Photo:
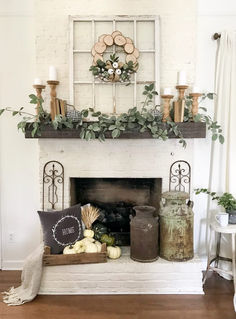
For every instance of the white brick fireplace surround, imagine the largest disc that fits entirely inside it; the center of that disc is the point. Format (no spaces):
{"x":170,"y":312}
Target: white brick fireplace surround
{"x":119,"y":158}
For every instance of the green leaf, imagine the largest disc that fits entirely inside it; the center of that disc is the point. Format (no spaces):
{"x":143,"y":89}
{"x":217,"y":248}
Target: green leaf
{"x":115,"y":133}
{"x":1,"y":111}
{"x":221,"y":139}
{"x":14,"y":113}
{"x":210,"y":96}
{"x":214,"y":137}
{"x":112,"y":127}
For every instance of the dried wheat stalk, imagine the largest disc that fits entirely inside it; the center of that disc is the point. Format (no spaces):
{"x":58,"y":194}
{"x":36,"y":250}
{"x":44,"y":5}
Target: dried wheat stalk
{"x":89,"y":215}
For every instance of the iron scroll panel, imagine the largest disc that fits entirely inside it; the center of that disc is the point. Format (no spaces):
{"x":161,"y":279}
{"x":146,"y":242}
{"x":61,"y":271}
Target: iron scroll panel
{"x":53,"y":183}
{"x":180,"y":176}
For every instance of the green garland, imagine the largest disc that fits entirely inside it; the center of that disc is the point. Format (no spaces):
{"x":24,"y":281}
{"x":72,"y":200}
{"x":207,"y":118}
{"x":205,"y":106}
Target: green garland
{"x":148,"y":119}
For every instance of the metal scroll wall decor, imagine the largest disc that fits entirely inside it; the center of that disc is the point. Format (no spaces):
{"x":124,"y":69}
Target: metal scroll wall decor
{"x":180,"y":177}
{"x":53,"y":184}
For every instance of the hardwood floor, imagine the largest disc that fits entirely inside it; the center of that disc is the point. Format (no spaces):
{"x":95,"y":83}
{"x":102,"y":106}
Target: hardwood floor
{"x":217,"y":303}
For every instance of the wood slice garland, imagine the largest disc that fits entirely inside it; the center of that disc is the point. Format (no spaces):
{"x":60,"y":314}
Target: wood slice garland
{"x":136,"y":53}
{"x":129,"y":48}
{"x":130,"y":57}
{"x":115,"y":33}
{"x":114,"y":70}
{"x":108,"y":40}
{"x":128,"y":40}
{"x":101,"y":37}
{"x":100,"y":47}
{"x":120,"y":40}
{"x":97,"y":57}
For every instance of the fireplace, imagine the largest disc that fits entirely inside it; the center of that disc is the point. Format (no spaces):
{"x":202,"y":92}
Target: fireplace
{"x":115,"y":197}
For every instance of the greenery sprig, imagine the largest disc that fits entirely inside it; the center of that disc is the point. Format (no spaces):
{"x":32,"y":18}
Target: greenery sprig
{"x":226,"y":200}
{"x":148,"y":119}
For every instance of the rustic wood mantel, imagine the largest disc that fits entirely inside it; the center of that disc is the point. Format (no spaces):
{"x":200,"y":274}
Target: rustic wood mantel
{"x":189,"y":130}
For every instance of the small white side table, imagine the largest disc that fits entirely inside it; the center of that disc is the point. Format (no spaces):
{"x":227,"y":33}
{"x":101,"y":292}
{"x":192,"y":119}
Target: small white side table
{"x":218,"y":230}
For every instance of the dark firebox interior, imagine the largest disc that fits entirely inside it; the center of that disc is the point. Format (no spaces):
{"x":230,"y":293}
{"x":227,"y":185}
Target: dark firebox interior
{"x":116,"y":197}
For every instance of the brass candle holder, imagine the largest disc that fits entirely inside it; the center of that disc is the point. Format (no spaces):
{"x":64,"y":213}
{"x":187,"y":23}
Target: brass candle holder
{"x":53,"y":94}
{"x":166,"y":106}
{"x":180,"y":104}
{"x":38,"y":88}
{"x":195,"y":97}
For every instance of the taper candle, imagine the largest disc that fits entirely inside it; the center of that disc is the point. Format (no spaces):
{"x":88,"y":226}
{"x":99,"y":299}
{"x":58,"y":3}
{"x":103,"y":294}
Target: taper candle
{"x":52,"y":73}
{"x":167,"y":91}
{"x":37,"y":81}
{"x":182,"y":78}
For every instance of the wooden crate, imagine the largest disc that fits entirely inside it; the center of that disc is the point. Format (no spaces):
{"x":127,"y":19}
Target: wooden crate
{"x":72,"y":259}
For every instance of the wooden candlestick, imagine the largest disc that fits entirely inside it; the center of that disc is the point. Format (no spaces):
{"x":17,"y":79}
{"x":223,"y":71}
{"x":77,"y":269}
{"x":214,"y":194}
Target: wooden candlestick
{"x":195,"y":97}
{"x":166,"y":106}
{"x":180,"y":104}
{"x":53,"y":95}
{"x":38,"y":88}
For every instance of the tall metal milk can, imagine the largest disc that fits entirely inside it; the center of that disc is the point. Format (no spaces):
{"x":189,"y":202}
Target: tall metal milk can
{"x":176,"y":226}
{"x":144,"y":234}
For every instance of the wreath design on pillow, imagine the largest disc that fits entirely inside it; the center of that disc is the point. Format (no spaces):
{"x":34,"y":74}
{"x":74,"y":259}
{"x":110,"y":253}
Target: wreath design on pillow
{"x":113,"y":70}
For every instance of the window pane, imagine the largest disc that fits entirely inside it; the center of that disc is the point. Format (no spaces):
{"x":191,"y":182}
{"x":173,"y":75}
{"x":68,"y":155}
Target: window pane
{"x":83,"y":96}
{"x":82,"y":63}
{"x":83,"y":35}
{"x":145,"y":35}
{"x":103,"y":98}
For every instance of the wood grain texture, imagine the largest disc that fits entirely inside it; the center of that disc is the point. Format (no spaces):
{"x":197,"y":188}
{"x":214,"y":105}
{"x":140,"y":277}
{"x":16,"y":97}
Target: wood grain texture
{"x":83,"y":258}
{"x":189,"y":130}
{"x":217,"y":303}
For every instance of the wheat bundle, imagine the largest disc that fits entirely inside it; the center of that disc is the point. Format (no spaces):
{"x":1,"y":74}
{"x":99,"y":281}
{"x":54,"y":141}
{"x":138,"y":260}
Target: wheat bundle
{"x":89,"y":215}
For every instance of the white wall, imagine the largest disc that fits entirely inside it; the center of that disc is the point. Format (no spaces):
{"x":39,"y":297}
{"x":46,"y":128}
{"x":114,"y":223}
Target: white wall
{"x":18,"y":157}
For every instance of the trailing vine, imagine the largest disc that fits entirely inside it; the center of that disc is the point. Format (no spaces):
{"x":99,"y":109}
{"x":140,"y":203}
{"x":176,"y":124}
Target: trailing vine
{"x":148,"y":119}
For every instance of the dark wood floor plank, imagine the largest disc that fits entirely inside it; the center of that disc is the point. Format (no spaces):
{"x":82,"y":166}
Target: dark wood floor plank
{"x":217,"y":303}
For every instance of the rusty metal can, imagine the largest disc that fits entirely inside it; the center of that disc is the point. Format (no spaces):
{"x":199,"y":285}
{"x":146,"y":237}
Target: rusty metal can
{"x":176,"y":227}
{"x":144,"y":234}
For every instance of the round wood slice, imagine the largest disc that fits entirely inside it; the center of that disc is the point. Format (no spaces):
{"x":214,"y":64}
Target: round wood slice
{"x":101,"y":37}
{"x":93,"y":52}
{"x":129,"y":48}
{"x":108,"y":40}
{"x":100,"y":47}
{"x":97,"y":57}
{"x":120,"y":40}
{"x":130,"y":57}
{"x":115,"y":33}
{"x":128,"y":40}
{"x":136,"y":53}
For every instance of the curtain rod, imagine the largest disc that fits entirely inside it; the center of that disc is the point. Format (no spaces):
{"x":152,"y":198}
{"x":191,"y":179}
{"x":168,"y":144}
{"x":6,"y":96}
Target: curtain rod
{"x":216,"y":36}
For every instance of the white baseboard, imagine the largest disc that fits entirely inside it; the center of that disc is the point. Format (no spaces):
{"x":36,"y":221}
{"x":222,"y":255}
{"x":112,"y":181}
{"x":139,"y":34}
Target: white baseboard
{"x":12,"y":264}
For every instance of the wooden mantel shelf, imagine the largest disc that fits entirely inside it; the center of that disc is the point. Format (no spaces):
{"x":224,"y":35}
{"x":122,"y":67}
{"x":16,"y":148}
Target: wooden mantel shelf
{"x":189,"y":130}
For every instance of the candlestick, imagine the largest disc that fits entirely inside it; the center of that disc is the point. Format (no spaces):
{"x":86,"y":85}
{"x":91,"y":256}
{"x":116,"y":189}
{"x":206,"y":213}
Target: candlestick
{"x":182,"y":78}
{"x":166,"y":106}
{"x":38,"y":89}
{"x":195,"y":89}
{"x":167,"y":91}
{"x":195,"y":97}
{"x":37,"y":81}
{"x":53,"y":95}
{"x":52,"y":73}
{"x":180,"y":104}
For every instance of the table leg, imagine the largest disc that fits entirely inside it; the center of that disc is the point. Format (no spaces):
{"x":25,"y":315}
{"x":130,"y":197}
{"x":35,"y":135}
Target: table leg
{"x":218,"y":249}
{"x":233,"y":260}
{"x":208,"y":257}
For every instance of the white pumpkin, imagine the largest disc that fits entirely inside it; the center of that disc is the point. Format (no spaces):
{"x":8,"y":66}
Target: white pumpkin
{"x":69,"y":250}
{"x":99,"y":246}
{"x":89,"y":233}
{"x":79,"y":246}
{"x":113,"y":252}
{"x":88,"y":240}
{"x":91,"y":248}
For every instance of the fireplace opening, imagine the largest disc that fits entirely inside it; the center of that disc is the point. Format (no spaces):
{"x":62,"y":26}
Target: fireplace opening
{"x":116,"y":197}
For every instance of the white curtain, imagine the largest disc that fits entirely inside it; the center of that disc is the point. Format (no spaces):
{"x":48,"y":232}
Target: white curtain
{"x":223,"y":157}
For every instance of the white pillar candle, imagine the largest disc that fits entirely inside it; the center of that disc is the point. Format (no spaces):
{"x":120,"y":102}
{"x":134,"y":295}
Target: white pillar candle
{"x":195,"y":89}
{"x":182,"y":78}
{"x":52,"y":73}
{"x":37,"y":81}
{"x":167,"y":91}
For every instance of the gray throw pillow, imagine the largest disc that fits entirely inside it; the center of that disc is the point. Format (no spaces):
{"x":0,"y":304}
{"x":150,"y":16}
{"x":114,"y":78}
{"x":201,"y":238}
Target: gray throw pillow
{"x":61,"y":228}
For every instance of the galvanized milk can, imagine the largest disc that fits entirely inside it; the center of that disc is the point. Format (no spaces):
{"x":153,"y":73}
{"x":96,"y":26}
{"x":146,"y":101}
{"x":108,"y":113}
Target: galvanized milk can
{"x":144,"y":234}
{"x":176,"y":227}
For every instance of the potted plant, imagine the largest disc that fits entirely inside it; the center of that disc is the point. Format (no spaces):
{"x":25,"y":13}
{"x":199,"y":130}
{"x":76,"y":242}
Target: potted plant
{"x":226,"y":200}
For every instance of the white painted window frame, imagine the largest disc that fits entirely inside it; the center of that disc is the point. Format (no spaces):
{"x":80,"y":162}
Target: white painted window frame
{"x":114,"y":19}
